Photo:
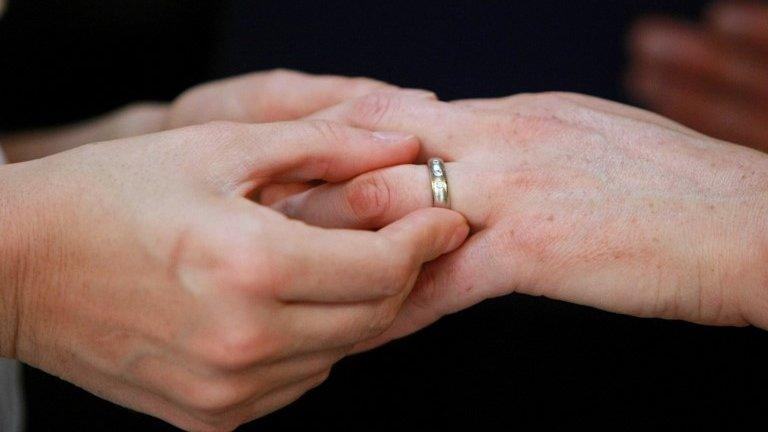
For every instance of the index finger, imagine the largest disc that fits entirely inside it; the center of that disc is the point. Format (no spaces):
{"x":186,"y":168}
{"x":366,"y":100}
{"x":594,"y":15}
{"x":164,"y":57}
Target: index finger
{"x":267,"y":96}
{"x":241,"y":157}
{"x":443,"y":129}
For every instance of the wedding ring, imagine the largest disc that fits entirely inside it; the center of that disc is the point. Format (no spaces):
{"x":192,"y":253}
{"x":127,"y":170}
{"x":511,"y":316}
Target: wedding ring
{"x":439,"y":183}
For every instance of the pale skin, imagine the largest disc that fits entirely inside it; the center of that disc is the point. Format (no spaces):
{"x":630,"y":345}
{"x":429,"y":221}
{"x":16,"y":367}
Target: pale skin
{"x":138,"y":269}
{"x":710,"y":75}
{"x":569,"y":197}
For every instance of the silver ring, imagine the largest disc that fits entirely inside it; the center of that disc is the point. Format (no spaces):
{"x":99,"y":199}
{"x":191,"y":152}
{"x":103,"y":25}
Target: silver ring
{"x":439,"y":183}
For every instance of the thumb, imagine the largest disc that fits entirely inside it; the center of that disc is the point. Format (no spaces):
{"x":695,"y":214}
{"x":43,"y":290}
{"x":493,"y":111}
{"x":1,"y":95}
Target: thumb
{"x":444,"y":286}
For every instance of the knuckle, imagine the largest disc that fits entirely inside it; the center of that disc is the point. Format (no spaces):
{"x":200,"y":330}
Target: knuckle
{"x":212,"y":400}
{"x":329,"y":132}
{"x":236,"y":262}
{"x":361,"y":85}
{"x":375,"y":107}
{"x":369,"y":197}
{"x":239,"y":347}
{"x":252,"y":271}
{"x":227,"y":261}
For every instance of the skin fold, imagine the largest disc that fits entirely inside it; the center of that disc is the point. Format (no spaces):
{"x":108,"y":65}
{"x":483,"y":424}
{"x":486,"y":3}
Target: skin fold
{"x":711,"y":75}
{"x":568,"y":197}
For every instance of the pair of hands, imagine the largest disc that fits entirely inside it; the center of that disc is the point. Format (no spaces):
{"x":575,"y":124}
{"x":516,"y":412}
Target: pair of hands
{"x":151,"y":280}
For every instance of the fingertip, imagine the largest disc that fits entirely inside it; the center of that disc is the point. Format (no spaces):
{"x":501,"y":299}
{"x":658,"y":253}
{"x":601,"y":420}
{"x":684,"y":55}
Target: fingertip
{"x":450,"y":226}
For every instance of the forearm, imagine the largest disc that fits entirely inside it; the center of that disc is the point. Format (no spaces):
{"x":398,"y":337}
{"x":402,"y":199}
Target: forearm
{"x":128,"y":121}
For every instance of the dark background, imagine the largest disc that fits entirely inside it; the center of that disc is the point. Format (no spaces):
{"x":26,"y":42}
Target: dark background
{"x":506,"y":363}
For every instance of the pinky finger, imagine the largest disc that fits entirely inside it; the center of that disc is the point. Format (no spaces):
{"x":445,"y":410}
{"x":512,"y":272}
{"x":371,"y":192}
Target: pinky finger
{"x":273,"y":193}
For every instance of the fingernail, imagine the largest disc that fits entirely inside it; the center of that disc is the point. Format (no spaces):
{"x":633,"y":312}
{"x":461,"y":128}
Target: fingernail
{"x":458,"y":238}
{"x":392,"y":137}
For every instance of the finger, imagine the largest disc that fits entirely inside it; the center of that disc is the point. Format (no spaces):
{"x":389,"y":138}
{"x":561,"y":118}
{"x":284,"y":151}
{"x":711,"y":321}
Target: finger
{"x":282,"y":397}
{"x":745,"y":21}
{"x":715,"y":113}
{"x":445,"y":286}
{"x":273,"y":193}
{"x":137,"y":398}
{"x":423,"y":117}
{"x":247,"y":156}
{"x":690,"y":51}
{"x":209,"y":387}
{"x":351,"y":266}
{"x":267,"y":97}
{"x":380,"y":197}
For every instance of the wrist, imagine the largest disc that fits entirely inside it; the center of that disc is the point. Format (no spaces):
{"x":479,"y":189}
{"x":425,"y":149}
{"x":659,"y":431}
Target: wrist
{"x":11,"y":262}
{"x":26,"y":230}
{"x":754,"y":294}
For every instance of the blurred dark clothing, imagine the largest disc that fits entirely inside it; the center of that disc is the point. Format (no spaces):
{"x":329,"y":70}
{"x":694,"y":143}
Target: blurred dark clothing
{"x":506,"y":363}
{"x":64,"y":60}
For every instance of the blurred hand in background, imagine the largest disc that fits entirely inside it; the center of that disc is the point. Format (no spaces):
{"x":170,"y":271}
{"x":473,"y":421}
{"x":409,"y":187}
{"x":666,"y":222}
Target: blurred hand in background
{"x":257,"y":97}
{"x":711,"y":75}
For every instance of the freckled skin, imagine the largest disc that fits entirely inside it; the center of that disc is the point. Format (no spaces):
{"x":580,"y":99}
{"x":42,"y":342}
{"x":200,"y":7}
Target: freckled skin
{"x":583,"y":200}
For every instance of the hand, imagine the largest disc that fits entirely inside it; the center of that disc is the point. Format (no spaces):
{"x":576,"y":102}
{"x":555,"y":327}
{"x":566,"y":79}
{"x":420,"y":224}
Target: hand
{"x":253,"y":98}
{"x":572,"y":198}
{"x":137,"y":270}
{"x":270,"y":96}
{"x":711,"y":76}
